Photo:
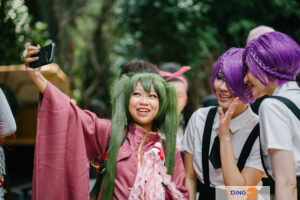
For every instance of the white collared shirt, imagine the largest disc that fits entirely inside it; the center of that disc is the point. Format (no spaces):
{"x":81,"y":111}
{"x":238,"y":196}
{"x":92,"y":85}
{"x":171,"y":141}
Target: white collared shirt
{"x":240,"y":128}
{"x":280,"y":128}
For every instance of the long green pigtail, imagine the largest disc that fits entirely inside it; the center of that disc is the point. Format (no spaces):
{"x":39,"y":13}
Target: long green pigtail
{"x":170,"y":127}
{"x":117,"y":131}
{"x":167,"y":121}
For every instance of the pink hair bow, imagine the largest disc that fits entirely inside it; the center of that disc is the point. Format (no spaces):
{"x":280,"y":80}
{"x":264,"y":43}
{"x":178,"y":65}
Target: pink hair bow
{"x":176,"y":75}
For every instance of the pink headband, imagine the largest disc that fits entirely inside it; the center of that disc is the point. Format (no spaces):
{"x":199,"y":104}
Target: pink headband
{"x":176,"y":75}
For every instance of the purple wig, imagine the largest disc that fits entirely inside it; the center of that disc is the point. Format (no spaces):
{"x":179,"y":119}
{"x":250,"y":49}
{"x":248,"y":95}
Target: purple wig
{"x":273,"y":56}
{"x":233,"y":72}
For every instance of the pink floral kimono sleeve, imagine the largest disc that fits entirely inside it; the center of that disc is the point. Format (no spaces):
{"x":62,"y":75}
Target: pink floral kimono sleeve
{"x":67,"y":139}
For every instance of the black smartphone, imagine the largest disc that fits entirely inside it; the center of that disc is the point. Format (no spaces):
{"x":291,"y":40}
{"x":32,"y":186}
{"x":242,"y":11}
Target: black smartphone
{"x":45,"y":55}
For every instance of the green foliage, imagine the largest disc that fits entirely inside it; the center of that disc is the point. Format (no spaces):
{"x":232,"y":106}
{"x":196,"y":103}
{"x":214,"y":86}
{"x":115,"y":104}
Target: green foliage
{"x":92,"y":58}
{"x":197,"y":32}
{"x":17,"y":31}
{"x":164,"y":31}
{"x":95,"y":38}
{"x":80,"y":29}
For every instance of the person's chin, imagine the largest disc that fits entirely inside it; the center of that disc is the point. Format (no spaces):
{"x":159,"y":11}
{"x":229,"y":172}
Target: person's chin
{"x":225,"y":104}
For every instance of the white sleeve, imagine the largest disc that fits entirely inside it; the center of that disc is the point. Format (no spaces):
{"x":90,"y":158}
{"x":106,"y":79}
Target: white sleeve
{"x":7,"y":121}
{"x":188,"y":137}
{"x":194,"y":131}
{"x":254,"y":159}
{"x":275,"y":126}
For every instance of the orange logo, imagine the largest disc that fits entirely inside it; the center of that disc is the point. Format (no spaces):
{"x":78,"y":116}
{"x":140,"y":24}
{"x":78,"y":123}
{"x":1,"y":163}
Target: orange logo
{"x":252,"y":193}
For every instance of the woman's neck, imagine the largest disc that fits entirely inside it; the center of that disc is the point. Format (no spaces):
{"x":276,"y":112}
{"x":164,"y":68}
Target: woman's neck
{"x":239,"y":110}
{"x":271,"y":88}
{"x":146,"y":129}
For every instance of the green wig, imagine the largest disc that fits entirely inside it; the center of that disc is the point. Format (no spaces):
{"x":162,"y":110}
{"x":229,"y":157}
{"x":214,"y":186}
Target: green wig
{"x":166,"y":120}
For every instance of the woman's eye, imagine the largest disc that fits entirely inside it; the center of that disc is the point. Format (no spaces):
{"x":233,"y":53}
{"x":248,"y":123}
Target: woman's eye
{"x":153,"y":95}
{"x":246,"y":67}
{"x":136,"y":94}
{"x":219,"y":77}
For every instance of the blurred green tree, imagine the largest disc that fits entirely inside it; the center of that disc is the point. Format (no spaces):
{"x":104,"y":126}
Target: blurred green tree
{"x":81,"y":32}
{"x":95,"y":38}
{"x":197,"y":32}
{"x":17,"y":30}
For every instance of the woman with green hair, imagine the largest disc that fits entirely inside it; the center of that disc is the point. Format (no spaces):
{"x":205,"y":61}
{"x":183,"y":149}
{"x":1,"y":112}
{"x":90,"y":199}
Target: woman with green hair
{"x":68,"y":138}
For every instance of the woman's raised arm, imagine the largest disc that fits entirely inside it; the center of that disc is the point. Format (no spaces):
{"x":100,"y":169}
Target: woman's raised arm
{"x":35,"y":74}
{"x":231,"y":174}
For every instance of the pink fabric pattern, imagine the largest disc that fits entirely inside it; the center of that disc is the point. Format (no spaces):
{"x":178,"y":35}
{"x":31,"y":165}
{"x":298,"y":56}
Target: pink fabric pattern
{"x":169,"y":76}
{"x":151,"y":176}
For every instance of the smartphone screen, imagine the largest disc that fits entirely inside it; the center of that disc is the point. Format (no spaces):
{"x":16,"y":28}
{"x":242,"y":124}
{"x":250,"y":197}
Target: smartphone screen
{"x":45,"y":55}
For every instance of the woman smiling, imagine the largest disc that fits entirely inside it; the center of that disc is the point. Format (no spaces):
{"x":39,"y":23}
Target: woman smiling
{"x":68,"y":138}
{"x":223,"y":149}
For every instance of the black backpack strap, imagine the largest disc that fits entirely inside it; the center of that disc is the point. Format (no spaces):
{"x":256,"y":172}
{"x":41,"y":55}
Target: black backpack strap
{"x":125,"y":136}
{"x":289,"y":104}
{"x":96,"y":188}
{"x":248,"y":147}
{"x":206,"y":143}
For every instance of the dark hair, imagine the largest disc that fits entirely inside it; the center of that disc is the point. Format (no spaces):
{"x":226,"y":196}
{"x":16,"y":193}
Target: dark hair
{"x":210,"y":100}
{"x":173,"y":67}
{"x":139,"y":66}
{"x":98,"y":107}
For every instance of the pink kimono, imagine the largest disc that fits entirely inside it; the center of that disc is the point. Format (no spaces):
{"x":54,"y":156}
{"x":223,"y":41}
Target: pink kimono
{"x":68,"y":138}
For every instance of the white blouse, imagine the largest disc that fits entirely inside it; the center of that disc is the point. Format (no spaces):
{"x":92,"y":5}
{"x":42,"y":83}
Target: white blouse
{"x":279,"y":127}
{"x":240,"y":128}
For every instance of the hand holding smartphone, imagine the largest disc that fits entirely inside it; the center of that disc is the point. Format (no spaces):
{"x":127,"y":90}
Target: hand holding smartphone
{"x":45,"y":55}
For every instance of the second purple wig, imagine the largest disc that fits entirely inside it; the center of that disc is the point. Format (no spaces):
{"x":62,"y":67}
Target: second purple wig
{"x":273,"y":56}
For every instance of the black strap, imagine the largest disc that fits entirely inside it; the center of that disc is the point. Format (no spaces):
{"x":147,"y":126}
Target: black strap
{"x":123,"y":140}
{"x":263,"y":162}
{"x":298,"y":184}
{"x":214,"y":156}
{"x":289,"y":104}
{"x":96,"y":188}
{"x":248,"y":147}
{"x":207,"y":191}
{"x":296,"y":111}
{"x":125,"y":136}
{"x":206,"y":143}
